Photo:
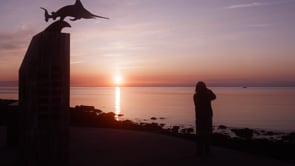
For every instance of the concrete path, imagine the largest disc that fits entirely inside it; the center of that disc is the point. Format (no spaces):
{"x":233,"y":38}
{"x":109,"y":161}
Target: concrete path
{"x":108,"y":147}
{"x":112,"y":147}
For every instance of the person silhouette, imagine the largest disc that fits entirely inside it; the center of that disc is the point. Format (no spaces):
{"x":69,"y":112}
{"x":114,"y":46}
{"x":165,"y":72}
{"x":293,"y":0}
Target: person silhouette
{"x":204,"y":114}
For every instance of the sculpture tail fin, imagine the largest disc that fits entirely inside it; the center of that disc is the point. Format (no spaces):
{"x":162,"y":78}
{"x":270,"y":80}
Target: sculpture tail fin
{"x":47,"y":16}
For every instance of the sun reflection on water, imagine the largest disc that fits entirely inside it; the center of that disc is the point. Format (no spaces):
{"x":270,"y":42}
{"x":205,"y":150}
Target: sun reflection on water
{"x":117,"y":102}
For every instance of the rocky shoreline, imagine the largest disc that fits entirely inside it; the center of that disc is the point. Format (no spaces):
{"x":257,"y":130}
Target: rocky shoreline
{"x":278,"y":145}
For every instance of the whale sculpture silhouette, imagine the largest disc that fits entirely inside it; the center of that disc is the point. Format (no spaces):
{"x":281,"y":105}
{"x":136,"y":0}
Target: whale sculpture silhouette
{"x":77,"y":11}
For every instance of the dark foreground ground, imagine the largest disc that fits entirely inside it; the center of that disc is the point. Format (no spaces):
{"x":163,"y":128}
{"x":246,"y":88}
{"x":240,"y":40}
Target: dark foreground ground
{"x":97,"y":138}
{"x":108,"y":147}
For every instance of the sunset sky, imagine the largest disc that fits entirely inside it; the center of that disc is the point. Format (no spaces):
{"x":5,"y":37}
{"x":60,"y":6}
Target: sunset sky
{"x":163,"y":42}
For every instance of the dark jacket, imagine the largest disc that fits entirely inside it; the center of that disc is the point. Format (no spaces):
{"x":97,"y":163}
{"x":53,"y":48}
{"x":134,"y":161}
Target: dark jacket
{"x":203,"y":109}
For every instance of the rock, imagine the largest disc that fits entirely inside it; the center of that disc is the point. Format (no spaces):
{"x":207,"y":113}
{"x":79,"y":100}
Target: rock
{"x":222,"y":127}
{"x":175,"y":129}
{"x":244,"y":133}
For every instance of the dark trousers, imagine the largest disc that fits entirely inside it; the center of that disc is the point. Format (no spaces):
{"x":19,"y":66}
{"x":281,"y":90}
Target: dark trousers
{"x":203,"y":136}
{"x":203,"y":143}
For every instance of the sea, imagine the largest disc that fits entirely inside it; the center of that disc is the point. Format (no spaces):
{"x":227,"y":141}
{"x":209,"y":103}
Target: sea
{"x":269,"y":108}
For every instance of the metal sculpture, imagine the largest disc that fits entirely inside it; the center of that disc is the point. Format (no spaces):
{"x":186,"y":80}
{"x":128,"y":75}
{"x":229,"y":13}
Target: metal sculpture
{"x":76,"y":11}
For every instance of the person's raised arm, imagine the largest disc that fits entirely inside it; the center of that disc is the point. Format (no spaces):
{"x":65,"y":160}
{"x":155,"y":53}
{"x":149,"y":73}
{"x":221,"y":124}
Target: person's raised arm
{"x":211,"y":94}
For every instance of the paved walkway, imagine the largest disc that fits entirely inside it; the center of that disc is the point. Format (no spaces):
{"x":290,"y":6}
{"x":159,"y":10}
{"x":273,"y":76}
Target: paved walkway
{"x":108,"y":147}
{"x":112,"y":147}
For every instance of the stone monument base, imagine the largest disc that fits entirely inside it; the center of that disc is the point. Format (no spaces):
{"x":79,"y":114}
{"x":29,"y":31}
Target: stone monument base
{"x":44,"y":100}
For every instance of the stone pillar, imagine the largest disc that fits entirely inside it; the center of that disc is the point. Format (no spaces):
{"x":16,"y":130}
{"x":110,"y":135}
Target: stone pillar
{"x":44,"y":100}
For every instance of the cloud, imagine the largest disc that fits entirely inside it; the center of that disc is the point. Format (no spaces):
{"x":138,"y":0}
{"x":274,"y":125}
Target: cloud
{"x":8,"y":83}
{"x":259,"y":25}
{"x":10,"y":41}
{"x":13,"y":46}
{"x":245,"y":5}
{"x":256,"y":4}
{"x":76,"y":62}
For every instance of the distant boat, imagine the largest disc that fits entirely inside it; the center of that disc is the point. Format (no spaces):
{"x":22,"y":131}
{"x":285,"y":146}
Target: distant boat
{"x":244,"y":87}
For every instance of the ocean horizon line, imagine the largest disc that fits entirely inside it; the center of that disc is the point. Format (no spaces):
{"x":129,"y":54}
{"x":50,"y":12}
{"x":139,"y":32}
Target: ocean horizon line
{"x":211,"y":83}
{"x":151,"y":86}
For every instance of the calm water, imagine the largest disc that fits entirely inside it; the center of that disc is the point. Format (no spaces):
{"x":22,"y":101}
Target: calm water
{"x":266,"y":108}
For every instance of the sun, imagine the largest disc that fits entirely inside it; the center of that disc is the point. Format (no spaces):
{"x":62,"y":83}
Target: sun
{"x":117,"y":79}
